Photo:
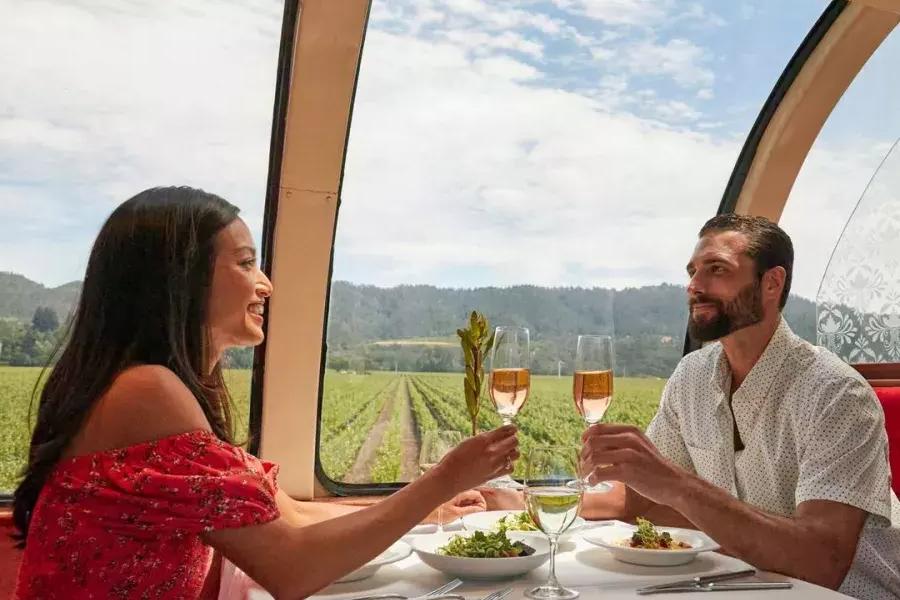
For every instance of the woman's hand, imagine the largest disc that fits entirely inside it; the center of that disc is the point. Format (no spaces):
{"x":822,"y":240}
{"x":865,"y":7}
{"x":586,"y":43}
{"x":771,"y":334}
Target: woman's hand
{"x":466,"y":503}
{"x":477,"y":460}
{"x":502,"y":499}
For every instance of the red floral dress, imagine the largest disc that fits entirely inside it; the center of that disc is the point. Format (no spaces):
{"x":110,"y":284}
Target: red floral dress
{"x":125,"y":523}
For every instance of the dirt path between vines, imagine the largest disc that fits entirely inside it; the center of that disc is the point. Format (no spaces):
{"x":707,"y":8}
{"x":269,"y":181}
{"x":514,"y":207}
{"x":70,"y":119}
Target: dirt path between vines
{"x":361,"y":470}
{"x":365,"y":459}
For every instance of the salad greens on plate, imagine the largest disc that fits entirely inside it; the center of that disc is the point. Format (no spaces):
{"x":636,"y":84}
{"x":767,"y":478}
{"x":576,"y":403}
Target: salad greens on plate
{"x":483,"y":544}
{"x":517,"y":522}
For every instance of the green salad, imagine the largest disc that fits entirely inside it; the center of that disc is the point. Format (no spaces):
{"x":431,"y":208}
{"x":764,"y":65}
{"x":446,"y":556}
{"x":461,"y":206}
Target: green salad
{"x":516,"y":522}
{"x":485,"y":545}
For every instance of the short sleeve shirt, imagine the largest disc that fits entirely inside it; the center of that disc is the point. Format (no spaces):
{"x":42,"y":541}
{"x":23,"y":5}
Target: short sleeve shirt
{"x":812,"y":429}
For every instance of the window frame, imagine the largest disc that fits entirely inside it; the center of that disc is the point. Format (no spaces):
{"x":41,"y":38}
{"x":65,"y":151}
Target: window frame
{"x":748,"y":165}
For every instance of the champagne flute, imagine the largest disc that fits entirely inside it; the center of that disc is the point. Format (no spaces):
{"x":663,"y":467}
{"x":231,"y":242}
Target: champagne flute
{"x":592,"y":386}
{"x":553,"y":494}
{"x":510,"y":381}
{"x":435,"y":445}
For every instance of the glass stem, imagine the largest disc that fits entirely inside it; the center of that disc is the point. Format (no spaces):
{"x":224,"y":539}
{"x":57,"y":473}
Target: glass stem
{"x":551,"y":581}
{"x":440,"y":519}
{"x":507,"y":420}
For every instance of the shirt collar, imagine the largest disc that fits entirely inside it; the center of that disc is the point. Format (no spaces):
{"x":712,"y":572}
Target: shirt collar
{"x":761,"y":376}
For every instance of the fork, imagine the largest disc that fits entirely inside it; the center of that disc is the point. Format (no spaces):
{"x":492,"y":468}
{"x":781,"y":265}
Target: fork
{"x":498,"y":595}
{"x":442,"y":592}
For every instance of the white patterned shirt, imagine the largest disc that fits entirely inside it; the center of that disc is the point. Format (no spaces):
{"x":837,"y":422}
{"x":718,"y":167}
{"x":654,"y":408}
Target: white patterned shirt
{"x":812,"y":429}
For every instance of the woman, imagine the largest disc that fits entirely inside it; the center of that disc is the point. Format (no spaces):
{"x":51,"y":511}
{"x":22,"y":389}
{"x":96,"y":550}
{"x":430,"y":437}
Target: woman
{"x":133,"y":477}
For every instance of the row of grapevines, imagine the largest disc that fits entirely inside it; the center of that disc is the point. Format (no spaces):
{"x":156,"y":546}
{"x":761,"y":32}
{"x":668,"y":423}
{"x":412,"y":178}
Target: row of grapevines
{"x":386,"y":468}
{"x":447,"y":414}
{"x":346,"y":397}
{"x":339,"y":452}
{"x":425,"y":420}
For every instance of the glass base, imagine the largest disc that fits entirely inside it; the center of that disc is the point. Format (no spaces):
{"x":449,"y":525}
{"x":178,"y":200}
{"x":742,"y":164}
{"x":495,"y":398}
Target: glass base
{"x":504,"y":482}
{"x":549,"y":592}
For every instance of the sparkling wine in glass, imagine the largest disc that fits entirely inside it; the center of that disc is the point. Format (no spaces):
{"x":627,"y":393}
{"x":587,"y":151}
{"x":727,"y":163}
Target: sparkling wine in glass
{"x":592,"y":385}
{"x":510,"y":381}
{"x":553,"y":494}
{"x":435,"y":445}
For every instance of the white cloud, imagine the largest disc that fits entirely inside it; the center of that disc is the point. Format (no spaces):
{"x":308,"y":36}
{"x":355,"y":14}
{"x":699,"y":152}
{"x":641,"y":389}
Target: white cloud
{"x":680,"y":59}
{"x":487,"y":175}
{"x":619,"y":12}
{"x":467,"y":164}
{"x":482,"y":42}
{"x":110,"y":98}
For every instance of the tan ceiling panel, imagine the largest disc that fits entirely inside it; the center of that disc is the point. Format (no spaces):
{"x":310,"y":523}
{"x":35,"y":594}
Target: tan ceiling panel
{"x":327,"y":48}
{"x":887,"y":5}
{"x":818,"y":87}
{"x":326,"y":57}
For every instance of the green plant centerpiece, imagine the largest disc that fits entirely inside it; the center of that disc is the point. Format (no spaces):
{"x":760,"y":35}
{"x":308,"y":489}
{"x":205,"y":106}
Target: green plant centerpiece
{"x":476,"y":341}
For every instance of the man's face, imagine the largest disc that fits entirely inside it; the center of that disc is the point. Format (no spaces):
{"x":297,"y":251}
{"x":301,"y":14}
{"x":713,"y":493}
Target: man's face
{"x":724,"y":294}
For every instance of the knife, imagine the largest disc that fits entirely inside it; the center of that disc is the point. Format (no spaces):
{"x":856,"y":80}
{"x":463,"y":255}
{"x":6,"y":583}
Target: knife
{"x":721,"y":587}
{"x":698,"y":581}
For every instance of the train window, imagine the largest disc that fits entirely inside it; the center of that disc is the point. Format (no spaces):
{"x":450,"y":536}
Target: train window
{"x":101,"y":101}
{"x":546,"y":163}
{"x":846,"y":255}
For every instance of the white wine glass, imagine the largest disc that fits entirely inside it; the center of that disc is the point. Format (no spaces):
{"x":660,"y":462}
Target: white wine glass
{"x":553,"y":495}
{"x":592,"y":386}
{"x":510,"y":381}
{"x":436,"y":444}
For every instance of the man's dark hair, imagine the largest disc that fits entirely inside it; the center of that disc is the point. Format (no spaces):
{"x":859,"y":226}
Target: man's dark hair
{"x":767,"y":244}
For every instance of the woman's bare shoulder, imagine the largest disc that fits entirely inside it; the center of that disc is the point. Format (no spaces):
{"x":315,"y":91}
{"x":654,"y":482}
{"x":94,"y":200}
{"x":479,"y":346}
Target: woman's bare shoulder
{"x":143,"y":403}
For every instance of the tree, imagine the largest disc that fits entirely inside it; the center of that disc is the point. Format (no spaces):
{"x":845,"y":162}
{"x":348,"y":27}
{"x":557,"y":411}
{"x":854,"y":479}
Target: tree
{"x":45,"y":319}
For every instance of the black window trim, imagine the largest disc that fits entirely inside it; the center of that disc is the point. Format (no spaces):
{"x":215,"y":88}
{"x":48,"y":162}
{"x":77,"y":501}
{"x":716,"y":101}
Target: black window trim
{"x":270,"y":209}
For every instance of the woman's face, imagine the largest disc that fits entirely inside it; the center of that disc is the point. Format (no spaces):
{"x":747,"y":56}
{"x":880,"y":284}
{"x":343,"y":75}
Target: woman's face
{"x":239,"y":291}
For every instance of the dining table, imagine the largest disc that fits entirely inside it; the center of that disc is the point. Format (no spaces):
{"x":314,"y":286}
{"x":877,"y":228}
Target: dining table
{"x":580,"y":565}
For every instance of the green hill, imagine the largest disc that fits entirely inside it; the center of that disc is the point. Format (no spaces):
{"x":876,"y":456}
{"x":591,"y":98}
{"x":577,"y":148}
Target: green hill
{"x":387,"y":328}
{"x":19,"y":297}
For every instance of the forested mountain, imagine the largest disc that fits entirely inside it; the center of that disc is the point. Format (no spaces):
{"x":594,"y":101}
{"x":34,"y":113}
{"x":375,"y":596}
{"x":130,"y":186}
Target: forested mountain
{"x":413,"y":328}
{"x":19,"y":297}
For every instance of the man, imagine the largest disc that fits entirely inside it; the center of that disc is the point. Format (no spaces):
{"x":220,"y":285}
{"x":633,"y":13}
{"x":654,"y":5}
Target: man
{"x":772,"y":446}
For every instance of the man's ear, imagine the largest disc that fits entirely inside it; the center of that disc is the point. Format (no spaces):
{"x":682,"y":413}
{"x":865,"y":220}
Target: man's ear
{"x":773,"y":283}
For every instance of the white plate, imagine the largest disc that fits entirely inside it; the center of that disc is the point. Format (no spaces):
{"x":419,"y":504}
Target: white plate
{"x":487,"y":521}
{"x":397,"y":551}
{"x":426,"y":547}
{"x":611,"y":537}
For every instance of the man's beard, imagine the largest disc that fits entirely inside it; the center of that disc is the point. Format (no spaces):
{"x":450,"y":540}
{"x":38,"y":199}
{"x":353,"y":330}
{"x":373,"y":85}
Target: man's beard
{"x":745,"y":310}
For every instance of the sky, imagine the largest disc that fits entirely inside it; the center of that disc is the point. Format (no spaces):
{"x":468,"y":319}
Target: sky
{"x":557,"y":142}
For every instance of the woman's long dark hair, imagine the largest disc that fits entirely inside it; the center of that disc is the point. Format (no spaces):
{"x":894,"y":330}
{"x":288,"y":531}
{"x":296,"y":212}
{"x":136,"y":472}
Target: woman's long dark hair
{"x":143,"y":301}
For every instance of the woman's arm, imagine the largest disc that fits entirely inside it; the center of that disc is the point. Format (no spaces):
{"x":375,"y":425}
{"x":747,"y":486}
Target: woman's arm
{"x":293,"y":561}
{"x":301,"y":513}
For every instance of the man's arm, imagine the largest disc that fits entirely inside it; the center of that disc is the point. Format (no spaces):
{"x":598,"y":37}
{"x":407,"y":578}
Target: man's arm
{"x":817,"y":544}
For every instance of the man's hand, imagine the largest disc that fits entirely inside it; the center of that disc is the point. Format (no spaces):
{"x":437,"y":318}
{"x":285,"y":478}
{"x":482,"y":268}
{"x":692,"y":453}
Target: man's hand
{"x":502,"y":499}
{"x":465,"y":503}
{"x":623,"y":453}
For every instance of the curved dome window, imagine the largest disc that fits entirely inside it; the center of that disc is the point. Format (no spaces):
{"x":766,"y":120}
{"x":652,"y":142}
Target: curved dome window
{"x":843,"y":214}
{"x":548,"y":163}
{"x":858,"y":304}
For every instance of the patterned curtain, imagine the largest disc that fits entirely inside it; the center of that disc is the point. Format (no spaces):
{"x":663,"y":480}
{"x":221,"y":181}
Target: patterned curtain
{"x":858,"y":304}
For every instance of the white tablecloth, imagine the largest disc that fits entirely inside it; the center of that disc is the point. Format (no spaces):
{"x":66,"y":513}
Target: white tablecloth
{"x":580,"y":565}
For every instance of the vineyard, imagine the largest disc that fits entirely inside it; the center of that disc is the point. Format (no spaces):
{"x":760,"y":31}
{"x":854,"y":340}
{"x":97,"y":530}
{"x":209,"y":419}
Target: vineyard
{"x":372,"y":425}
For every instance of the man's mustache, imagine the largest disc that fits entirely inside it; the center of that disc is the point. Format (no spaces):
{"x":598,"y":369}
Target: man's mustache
{"x":704,"y":300}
